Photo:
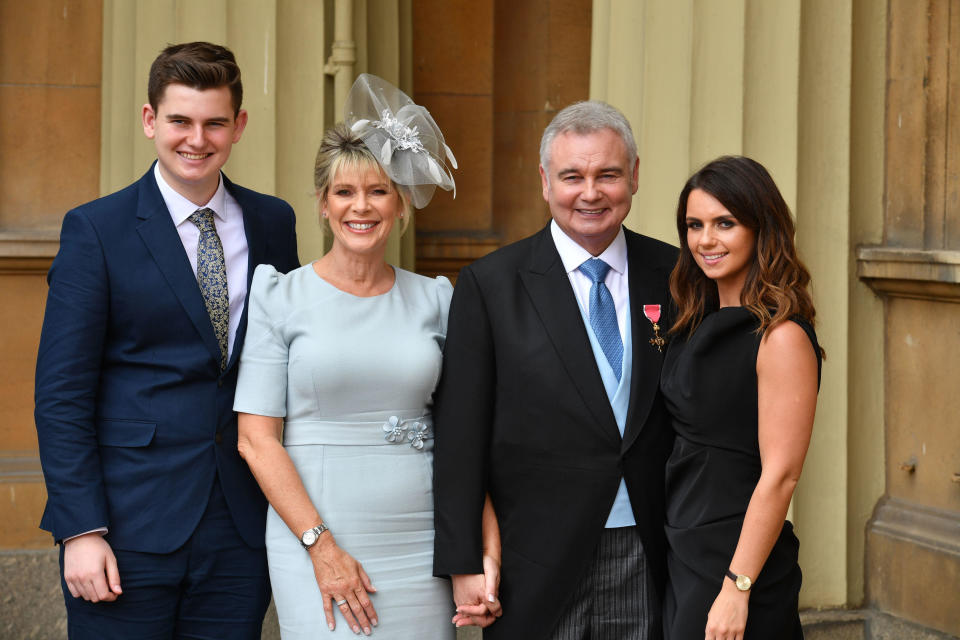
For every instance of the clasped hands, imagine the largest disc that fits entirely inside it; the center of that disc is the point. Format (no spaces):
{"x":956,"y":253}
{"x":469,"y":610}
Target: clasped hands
{"x":476,"y":595}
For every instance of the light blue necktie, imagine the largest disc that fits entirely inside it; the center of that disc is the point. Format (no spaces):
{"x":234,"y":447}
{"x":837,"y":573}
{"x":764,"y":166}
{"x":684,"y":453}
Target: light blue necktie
{"x":603,"y":313}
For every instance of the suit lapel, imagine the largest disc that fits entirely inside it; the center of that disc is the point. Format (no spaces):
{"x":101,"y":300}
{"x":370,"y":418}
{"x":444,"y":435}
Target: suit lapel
{"x":160,"y":236}
{"x":647,"y":360}
{"x":254,"y":227}
{"x":255,"y":230}
{"x":549,"y":289}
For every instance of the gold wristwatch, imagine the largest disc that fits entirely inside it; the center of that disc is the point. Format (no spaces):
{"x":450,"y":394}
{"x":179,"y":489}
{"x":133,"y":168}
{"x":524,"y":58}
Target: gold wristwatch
{"x":743,"y":582}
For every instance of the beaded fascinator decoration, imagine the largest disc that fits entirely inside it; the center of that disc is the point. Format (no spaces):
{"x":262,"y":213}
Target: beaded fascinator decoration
{"x":402,"y":136}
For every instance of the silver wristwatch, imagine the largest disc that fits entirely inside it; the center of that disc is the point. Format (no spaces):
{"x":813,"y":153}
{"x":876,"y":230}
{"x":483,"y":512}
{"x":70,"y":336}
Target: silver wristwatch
{"x":309,"y":537}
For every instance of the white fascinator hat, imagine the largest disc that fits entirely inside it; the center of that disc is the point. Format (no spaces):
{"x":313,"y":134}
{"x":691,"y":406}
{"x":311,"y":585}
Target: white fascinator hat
{"x":403,"y":137}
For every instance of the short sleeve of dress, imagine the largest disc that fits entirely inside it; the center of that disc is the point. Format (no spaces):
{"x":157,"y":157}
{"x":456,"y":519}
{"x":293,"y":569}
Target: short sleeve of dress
{"x":262,"y":380}
{"x":444,"y":294}
{"x":813,"y":341}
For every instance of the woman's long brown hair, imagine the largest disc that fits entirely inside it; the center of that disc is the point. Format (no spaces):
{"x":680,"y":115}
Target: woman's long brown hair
{"x":776,"y":285}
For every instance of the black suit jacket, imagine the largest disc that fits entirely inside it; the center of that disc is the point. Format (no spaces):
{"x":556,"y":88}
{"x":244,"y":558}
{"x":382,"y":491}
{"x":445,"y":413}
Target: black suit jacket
{"x":134,"y":417}
{"x":521,"y":412}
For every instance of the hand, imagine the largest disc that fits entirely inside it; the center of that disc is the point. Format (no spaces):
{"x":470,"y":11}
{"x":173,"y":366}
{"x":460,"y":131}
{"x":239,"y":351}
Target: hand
{"x":476,"y":595}
{"x":341,"y":577}
{"x":90,"y":568}
{"x":491,"y":577}
{"x":727,"y":618}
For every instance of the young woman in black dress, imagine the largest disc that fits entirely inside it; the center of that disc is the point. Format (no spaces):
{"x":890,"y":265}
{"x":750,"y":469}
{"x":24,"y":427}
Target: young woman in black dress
{"x":740,"y":379}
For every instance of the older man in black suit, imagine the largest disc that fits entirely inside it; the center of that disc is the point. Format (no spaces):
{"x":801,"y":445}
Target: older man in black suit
{"x":549,"y":402}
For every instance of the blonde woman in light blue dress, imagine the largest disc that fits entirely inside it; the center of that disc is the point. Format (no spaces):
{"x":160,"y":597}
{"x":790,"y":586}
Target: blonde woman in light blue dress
{"x":336,"y":379}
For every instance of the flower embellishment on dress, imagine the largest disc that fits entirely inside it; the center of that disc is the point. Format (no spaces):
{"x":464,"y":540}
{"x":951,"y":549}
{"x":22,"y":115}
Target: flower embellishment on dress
{"x":414,"y":431}
{"x":419,"y":432}
{"x":396,"y":430}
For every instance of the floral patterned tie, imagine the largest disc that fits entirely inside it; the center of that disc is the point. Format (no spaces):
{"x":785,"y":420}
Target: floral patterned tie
{"x":212,"y":278}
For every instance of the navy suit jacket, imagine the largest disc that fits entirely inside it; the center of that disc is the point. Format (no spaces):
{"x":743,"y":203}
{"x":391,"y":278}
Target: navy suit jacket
{"x":521,"y":412}
{"x":134,"y":417}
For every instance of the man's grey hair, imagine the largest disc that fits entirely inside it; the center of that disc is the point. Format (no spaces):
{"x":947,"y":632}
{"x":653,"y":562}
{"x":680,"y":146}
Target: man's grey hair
{"x":583,"y":118}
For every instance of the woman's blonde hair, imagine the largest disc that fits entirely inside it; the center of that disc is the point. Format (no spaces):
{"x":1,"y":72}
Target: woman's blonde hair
{"x":341,"y":149}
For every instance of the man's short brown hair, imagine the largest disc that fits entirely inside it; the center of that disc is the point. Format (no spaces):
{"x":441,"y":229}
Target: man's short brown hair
{"x":198,"y":65}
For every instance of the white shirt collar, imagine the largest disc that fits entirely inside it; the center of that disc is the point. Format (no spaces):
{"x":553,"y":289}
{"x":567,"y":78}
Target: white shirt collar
{"x":180,"y":208}
{"x":573,"y":255}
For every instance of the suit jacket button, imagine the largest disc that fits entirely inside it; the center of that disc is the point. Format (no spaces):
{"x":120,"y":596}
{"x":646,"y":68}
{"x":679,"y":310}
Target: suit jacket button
{"x":218,"y":438}
{"x":219,"y":384}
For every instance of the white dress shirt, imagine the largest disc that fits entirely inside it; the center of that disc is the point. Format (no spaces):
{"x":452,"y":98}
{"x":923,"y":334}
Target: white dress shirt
{"x":573,"y":255}
{"x":228,"y":219}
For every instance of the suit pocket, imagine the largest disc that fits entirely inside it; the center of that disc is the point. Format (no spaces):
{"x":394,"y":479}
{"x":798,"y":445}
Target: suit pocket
{"x":125,"y":433}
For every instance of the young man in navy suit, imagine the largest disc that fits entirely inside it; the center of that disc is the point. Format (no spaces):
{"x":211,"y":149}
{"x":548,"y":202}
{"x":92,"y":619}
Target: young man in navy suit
{"x":160,"y":522}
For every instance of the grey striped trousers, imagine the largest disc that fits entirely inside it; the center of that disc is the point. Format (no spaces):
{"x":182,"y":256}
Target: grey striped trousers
{"x":615,"y":599}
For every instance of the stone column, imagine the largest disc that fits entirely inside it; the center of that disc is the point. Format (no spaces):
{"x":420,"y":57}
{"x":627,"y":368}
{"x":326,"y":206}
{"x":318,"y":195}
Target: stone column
{"x":913,"y":538}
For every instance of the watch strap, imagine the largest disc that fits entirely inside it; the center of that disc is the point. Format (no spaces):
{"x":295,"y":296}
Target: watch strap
{"x":319,"y":529}
{"x":743,"y":583}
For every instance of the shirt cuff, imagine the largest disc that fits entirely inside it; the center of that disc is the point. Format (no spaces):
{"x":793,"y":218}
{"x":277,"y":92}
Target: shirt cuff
{"x":101,"y":531}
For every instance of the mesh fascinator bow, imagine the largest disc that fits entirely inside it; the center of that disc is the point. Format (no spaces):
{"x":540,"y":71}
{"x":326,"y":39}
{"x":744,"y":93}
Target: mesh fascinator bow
{"x":402,"y":136}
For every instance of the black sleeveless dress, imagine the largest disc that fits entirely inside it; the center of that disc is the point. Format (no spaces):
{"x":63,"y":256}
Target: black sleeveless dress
{"x":709,"y":383}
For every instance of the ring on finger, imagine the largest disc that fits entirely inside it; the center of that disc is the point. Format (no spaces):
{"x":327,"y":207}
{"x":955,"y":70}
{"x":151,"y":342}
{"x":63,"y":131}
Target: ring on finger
{"x":340,"y":603}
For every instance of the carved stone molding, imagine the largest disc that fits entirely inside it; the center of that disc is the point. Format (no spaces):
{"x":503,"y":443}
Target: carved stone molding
{"x":20,"y":466}
{"x":934,"y":529}
{"x":911,"y":273}
{"x":913,"y":552}
{"x":27,"y":252}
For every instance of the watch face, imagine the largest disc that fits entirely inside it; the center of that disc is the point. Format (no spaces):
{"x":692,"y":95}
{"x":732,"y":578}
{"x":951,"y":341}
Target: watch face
{"x":309,"y":537}
{"x":743,"y":583}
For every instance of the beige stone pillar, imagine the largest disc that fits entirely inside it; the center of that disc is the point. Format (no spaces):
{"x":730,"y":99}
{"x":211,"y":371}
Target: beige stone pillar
{"x":302,"y":113}
{"x":823,"y":219}
{"x":865,"y":402}
{"x":912,"y":546}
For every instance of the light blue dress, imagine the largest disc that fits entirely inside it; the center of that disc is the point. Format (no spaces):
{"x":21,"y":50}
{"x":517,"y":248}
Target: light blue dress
{"x":353,"y":379}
